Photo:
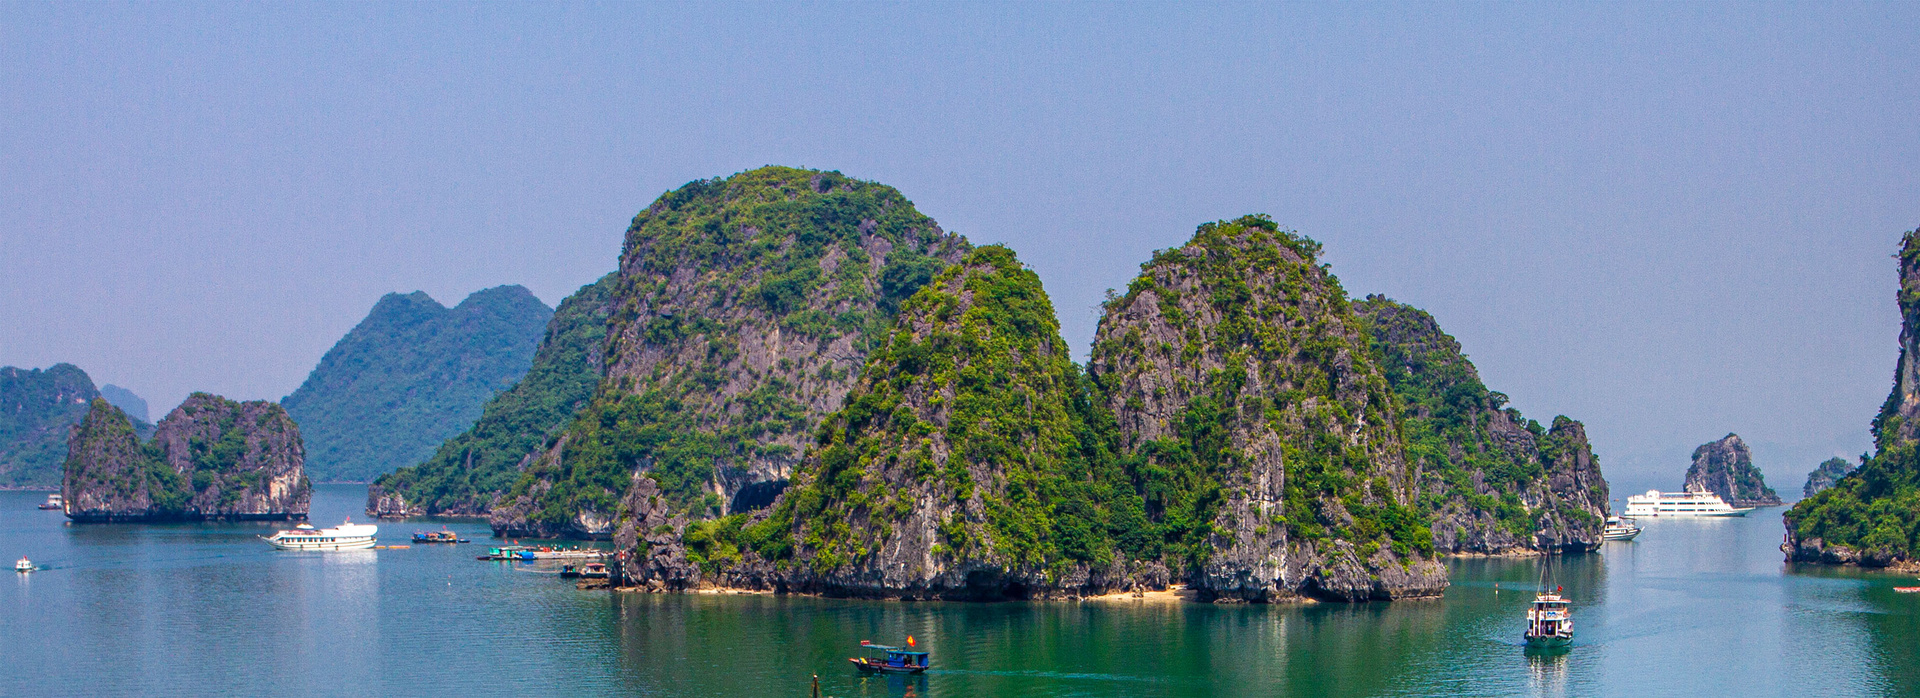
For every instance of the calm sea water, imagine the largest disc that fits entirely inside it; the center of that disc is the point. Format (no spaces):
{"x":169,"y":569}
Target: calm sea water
{"x":1692,"y":608}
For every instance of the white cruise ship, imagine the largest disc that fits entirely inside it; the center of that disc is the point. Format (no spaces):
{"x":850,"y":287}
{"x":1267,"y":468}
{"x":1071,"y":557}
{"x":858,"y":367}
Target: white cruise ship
{"x":1656,"y":503}
{"x":346,"y":536}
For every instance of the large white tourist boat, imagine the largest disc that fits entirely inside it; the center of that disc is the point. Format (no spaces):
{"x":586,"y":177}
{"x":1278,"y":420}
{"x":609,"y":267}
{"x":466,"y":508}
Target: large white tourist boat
{"x":1656,"y":503}
{"x":346,"y":536}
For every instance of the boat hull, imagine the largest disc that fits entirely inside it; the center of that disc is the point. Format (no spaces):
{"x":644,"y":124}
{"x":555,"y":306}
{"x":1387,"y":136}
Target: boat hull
{"x":880,"y":667}
{"x":1620,"y":536}
{"x":1549,"y":641}
{"x":337,"y":544}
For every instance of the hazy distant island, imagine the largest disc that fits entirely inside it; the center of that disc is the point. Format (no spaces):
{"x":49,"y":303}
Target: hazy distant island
{"x":1725,"y":468}
{"x":468,"y":472}
{"x":798,"y":382}
{"x":1824,"y":475}
{"x":37,"y":406}
{"x":411,"y":375}
{"x":1871,"y":516}
{"x":134,"y":405}
{"x":210,"y":459}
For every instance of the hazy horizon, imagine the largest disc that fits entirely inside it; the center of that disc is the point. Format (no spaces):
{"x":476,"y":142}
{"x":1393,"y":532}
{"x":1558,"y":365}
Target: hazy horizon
{"x":1670,"y":222}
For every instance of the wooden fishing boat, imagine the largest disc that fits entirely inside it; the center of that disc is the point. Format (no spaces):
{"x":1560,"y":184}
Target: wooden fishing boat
{"x":887,"y":659}
{"x":441,"y":536}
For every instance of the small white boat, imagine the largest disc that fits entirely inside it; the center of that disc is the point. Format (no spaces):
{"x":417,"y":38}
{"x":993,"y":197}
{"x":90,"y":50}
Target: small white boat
{"x":1656,"y":504}
{"x":53,"y":502}
{"x":1550,"y":621}
{"x":24,"y":565}
{"x":1619,"y":529}
{"x":346,"y":536}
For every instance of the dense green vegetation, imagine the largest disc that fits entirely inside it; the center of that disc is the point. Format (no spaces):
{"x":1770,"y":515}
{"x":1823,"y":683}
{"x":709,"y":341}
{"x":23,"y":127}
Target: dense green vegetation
{"x":1876,"y":509}
{"x":708,"y":268}
{"x":410,"y":376}
{"x":1269,"y":310}
{"x":1445,"y":413}
{"x":36,"y":408}
{"x":1018,"y":415}
{"x":468,"y":471}
{"x":974,"y":383}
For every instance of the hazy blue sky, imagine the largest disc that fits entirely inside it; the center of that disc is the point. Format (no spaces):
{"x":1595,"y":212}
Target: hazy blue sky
{"x":1669,"y":221}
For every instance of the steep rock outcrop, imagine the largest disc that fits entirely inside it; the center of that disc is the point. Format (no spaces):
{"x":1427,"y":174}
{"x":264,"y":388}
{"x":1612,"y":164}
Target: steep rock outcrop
{"x":1492,"y":481}
{"x":468,"y":472}
{"x":211,"y":458}
{"x":1238,"y":373}
{"x":744,"y":309}
{"x":110,"y":475}
{"x":1871,"y":517}
{"x":1824,"y":475}
{"x":244,"y":460}
{"x":411,"y":375}
{"x":962,"y":466}
{"x":1725,"y":468}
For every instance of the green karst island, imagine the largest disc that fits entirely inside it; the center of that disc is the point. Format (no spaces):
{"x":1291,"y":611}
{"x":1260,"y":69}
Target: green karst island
{"x":797,"y":381}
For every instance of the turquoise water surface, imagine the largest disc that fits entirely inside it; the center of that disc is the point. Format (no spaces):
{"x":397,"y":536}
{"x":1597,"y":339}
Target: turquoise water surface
{"x":1691,"y":608}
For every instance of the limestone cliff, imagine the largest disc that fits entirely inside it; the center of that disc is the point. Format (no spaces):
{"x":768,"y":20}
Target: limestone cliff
{"x":1492,"y":481}
{"x":110,"y":476}
{"x":744,"y":309}
{"x":962,"y":466}
{"x":211,"y":458}
{"x":1871,"y":517}
{"x":1242,"y":380}
{"x":1725,"y":467}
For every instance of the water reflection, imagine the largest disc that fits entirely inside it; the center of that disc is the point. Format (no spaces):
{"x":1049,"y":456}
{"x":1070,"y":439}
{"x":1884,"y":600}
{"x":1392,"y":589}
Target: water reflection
{"x":1547,"y":670}
{"x":208,"y":609}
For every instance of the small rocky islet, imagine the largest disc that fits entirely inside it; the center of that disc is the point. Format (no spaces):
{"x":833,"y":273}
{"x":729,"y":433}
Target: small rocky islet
{"x":1725,"y":468}
{"x":210,"y":459}
{"x":1824,"y":475}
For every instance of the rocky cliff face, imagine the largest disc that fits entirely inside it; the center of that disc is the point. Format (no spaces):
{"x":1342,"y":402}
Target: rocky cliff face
{"x":468,"y":472}
{"x":111,"y":476}
{"x":1824,"y":475}
{"x":211,"y":458}
{"x":961,"y":467}
{"x":1238,"y":373}
{"x":1725,"y":468}
{"x":411,"y":375}
{"x":1872,"y":517}
{"x":1492,"y":481}
{"x":744,"y":309}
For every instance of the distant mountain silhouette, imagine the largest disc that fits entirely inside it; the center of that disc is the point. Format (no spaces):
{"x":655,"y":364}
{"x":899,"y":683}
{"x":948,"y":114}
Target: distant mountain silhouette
{"x":411,"y":375}
{"x":134,"y":405}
